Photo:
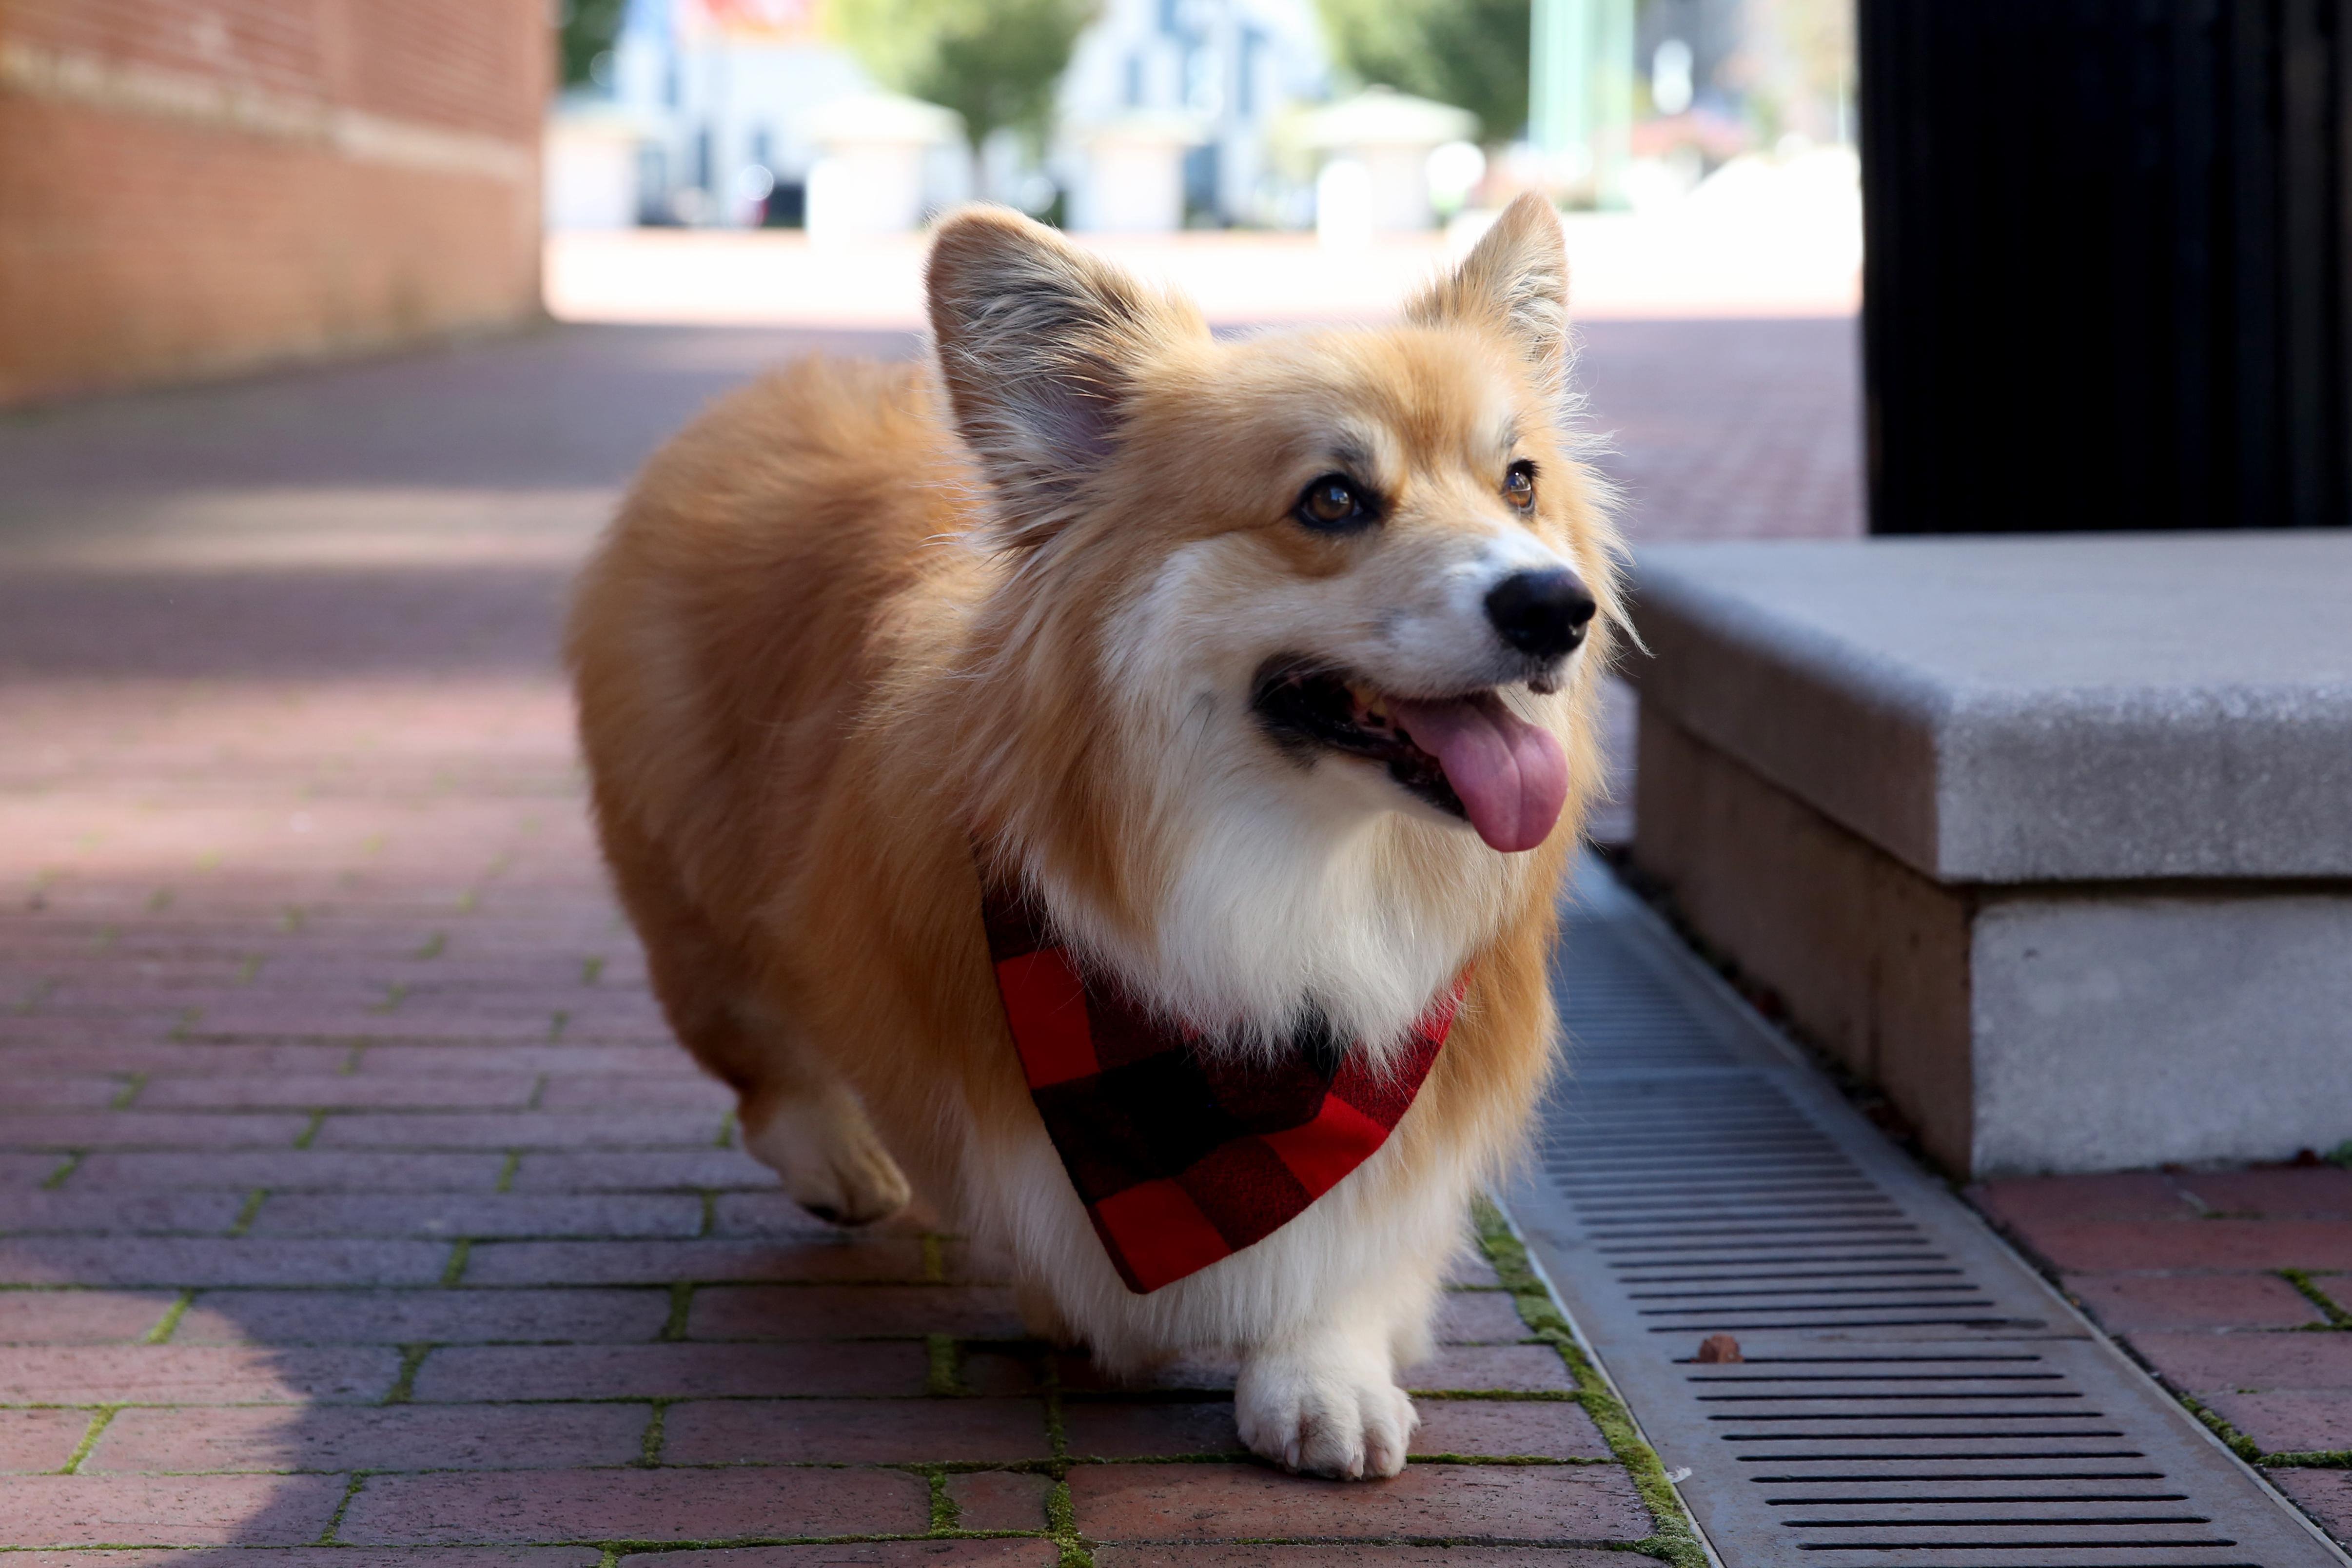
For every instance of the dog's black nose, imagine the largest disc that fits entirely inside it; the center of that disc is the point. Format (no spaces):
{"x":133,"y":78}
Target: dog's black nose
{"x":1541,"y":613}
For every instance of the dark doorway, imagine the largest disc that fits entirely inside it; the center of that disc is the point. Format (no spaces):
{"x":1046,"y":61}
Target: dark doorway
{"x":2106,"y":276}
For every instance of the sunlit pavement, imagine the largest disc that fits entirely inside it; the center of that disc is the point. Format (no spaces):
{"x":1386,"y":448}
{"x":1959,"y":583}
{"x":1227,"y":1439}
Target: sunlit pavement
{"x":353,"y":1195}
{"x":1682,"y":263}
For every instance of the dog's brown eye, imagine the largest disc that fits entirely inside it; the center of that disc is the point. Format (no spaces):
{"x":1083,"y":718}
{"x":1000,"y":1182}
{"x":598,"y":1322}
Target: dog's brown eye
{"x":1332,"y":501}
{"x":1519,"y":485}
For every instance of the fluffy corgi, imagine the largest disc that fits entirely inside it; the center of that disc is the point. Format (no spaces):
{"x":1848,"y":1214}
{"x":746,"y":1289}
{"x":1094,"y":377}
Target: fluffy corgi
{"x":1261,"y":673}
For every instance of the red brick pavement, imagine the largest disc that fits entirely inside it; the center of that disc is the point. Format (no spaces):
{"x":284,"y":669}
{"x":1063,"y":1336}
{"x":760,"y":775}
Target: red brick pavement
{"x":1728,"y":429}
{"x":2234,"y":1287}
{"x":355,"y":1198}
{"x":351,"y":1194}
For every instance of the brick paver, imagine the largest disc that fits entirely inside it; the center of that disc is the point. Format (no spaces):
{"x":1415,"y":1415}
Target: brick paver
{"x":354,"y":1206}
{"x":878,"y":1554}
{"x":1554,"y":1505}
{"x":2326,"y":1495}
{"x":1729,"y":430}
{"x":386,"y":1438}
{"x":2234,"y":1287}
{"x":1352,"y":1556}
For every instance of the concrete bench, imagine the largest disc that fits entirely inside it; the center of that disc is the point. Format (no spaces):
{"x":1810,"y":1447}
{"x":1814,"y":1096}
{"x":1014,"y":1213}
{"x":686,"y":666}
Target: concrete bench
{"x":2050,"y":838}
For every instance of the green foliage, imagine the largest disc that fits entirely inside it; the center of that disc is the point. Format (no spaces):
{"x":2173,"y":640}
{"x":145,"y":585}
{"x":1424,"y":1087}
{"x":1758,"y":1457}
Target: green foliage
{"x":1472,"y":54}
{"x":992,"y":61}
{"x":586,"y":29}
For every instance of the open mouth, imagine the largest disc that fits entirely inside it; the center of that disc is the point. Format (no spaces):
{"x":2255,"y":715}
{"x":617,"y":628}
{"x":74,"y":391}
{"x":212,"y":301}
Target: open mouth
{"x":1469,"y":756}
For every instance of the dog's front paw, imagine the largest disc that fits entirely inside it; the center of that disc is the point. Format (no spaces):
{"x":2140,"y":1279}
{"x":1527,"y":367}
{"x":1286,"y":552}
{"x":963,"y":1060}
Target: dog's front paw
{"x":1337,"y":1415}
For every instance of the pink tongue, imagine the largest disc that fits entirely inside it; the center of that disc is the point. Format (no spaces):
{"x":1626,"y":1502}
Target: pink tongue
{"x":1512,"y":776}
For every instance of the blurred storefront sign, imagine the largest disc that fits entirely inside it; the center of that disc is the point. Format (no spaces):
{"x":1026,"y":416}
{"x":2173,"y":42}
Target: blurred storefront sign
{"x":753,"y":21}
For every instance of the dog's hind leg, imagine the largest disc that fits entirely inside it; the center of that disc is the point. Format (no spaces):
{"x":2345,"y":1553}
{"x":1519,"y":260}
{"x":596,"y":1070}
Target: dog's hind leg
{"x":801,"y":1121}
{"x":797,"y":1114}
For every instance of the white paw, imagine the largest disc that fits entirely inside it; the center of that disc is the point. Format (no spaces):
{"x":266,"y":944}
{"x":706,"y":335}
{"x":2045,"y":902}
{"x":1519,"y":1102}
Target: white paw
{"x":832,"y":1163}
{"x":1328,"y":1413}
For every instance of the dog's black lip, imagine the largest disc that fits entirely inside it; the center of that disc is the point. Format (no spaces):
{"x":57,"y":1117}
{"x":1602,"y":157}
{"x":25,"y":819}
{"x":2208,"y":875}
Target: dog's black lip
{"x":1305,"y":707}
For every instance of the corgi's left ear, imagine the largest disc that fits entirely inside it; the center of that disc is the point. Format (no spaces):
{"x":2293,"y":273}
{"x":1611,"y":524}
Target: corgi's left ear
{"x":1039,"y":342}
{"x":1513,"y":283}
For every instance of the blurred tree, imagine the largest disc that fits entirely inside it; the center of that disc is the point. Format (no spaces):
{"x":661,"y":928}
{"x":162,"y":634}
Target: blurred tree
{"x":1472,"y":54}
{"x":992,"y":61}
{"x":1796,"y":68}
{"x":586,"y":29}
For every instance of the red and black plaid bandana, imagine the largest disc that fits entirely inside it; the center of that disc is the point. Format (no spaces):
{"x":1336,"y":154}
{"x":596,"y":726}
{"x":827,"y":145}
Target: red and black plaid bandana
{"x":1180,"y":1159}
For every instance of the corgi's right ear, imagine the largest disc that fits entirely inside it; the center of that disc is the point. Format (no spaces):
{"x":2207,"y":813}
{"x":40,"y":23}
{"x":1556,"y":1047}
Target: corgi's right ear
{"x":1037,"y":343}
{"x":1513,"y":283}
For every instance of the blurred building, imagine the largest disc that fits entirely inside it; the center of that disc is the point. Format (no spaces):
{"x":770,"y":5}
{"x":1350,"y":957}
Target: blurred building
{"x":739,"y":100}
{"x":1170,"y":112}
{"x":1236,"y":69}
{"x":1377,"y":148}
{"x":192,"y":187}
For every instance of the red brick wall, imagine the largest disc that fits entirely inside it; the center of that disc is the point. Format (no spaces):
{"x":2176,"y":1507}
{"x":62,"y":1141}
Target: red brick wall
{"x":189,"y":187}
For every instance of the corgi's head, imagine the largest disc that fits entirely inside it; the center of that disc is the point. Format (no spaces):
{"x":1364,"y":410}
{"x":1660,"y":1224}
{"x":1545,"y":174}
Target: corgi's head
{"x":1310,"y":583}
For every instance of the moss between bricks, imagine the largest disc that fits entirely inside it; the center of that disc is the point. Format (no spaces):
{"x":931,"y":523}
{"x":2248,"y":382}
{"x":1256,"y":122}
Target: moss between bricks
{"x":943,"y":1377}
{"x":164,"y":1328}
{"x":404,"y":1385}
{"x":681,"y":1307}
{"x":327,"y":1536}
{"x":98,"y":1425}
{"x":2337,"y":1318}
{"x":247,"y":1211}
{"x":657,"y":1432}
{"x":2246,"y":1448}
{"x":2237,"y":1442}
{"x":1674,"y":1537}
{"x":1061,"y":1512}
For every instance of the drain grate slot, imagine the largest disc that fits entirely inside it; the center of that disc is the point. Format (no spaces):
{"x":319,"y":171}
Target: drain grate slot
{"x":1910,"y":1393}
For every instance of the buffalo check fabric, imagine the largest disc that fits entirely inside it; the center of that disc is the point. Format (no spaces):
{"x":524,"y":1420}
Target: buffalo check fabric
{"x":1182,"y":1159}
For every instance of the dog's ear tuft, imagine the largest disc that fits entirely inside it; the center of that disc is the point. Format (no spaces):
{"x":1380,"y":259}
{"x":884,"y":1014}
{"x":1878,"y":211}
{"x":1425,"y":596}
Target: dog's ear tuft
{"x":1038,"y":343}
{"x":1514,"y":282}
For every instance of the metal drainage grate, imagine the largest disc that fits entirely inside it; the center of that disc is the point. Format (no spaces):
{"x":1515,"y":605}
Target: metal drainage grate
{"x":1911,"y":1394}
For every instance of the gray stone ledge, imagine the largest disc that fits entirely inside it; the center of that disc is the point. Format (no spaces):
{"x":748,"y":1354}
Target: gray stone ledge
{"x":2020,"y":1028}
{"x":2094,"y":707}
{"x":2114,"y":1033}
